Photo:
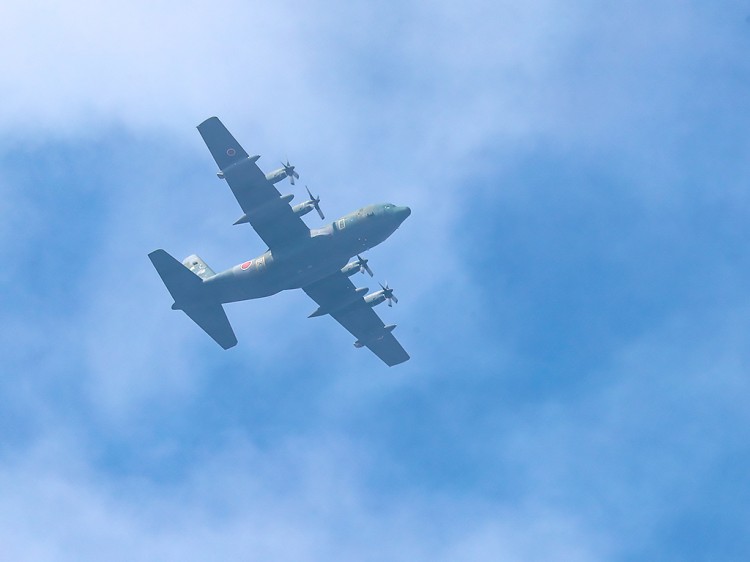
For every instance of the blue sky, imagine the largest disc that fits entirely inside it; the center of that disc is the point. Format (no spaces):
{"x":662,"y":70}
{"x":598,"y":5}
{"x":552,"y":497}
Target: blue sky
{"x":572,"y":283}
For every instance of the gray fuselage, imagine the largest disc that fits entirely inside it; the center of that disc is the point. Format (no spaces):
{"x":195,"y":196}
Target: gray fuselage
{"x":326,"y":250}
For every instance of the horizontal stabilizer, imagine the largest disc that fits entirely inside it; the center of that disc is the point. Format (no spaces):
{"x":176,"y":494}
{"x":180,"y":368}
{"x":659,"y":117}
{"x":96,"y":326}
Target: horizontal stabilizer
{"x":213,"y":320}
{"x":185,"y":288}
{"x":182,"y":283}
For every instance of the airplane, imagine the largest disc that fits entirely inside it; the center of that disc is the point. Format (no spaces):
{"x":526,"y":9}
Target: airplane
{"x":316,"y":260}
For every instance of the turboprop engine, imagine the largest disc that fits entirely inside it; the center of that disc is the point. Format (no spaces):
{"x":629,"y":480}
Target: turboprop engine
{"x":355,"y":266}
{"x":286,"y":171}
{"x":385,"y":294}
{"x":309,"y":205}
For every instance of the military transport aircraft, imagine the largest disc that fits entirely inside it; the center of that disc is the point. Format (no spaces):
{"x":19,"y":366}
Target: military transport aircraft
{"x":315,"y":260}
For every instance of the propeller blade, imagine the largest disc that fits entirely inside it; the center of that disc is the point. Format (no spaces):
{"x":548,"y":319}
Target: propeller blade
{"x":388,"y":294}
{"x":289,"y":170}
{"x":363,"y":265}
{"x":316,"y":203}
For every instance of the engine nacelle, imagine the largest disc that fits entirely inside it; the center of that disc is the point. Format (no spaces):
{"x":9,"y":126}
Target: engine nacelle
{"x":374,"y":299}
{"x":303,"y":208}
{"x":277,"y":175}
{"x":350,"y":268}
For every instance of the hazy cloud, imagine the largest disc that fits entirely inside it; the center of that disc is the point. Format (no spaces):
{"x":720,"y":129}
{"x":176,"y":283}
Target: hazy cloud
{"x":571,"y":283}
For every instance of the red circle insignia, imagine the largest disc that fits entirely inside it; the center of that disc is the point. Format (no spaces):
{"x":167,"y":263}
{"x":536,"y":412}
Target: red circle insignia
{"x":246,"y":265}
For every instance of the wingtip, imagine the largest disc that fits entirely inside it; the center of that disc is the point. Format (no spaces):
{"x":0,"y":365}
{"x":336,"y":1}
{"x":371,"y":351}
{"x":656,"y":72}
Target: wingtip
{"x":157,"y":256}
{"x":206,"y":121}
{"x":400,"y":360}
{"x":228,"y":345}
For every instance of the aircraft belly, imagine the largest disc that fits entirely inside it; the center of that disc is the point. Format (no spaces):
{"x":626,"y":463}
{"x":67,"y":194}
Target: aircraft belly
{"x":236,"y":285}
{"x":314,"y":274}
{"x":233,"y":286}
{"x":275,"y":272}
{"x":321,"y":257}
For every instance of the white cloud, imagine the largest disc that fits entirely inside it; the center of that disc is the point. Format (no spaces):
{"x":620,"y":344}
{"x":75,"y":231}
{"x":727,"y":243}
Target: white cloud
{"x":300,"y":500}
{"x":598,"y":475}
{"x":395,"y":103}
{"x":402,"y":104}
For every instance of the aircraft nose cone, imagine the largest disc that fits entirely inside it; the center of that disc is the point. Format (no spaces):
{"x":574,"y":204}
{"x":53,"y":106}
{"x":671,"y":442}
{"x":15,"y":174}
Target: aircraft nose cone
{"x":404,"y":212}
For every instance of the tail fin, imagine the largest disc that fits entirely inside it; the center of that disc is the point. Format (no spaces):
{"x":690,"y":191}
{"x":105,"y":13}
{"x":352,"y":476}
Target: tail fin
{"x":185,"y":288}
{"x":198,"y":266}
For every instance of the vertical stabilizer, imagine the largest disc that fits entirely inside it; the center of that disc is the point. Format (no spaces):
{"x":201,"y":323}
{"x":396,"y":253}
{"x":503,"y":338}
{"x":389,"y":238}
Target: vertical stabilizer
{"x":198,"y":266}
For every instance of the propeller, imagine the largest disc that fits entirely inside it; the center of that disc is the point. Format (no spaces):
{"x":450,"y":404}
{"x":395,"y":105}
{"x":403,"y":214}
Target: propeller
{"x":315,"y":203}
{"x":289,"y":171}
{"x":363,"y":265}
{"x":388,"y":294}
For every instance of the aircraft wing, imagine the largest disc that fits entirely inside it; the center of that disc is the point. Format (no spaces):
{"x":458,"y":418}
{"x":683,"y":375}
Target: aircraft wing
{"x":356,"y":316}
{"x":269,"y":214}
